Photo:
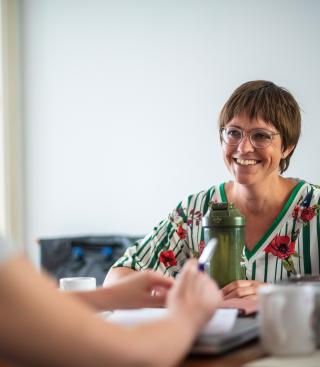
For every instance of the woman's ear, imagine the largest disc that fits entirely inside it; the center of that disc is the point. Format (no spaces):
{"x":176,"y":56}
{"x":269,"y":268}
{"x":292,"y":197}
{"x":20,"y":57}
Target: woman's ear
{"x":286,"y":152}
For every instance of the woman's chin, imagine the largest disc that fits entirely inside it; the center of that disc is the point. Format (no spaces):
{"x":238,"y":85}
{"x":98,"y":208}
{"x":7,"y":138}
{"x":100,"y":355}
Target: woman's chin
{"x":245,"y":179}
{"x":246,"y":175}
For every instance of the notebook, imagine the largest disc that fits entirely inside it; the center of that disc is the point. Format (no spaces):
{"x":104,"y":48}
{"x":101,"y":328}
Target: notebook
{"x":225,"y":330}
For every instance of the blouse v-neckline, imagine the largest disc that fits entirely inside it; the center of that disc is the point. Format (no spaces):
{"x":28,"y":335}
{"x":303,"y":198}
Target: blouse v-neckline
{"x":273,"y":226}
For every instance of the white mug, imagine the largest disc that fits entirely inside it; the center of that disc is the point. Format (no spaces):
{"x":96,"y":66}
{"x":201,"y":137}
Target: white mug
{"x":316,"y":319}
{"x":286,"y":319}
{"x":78,"y":284}
{"x":317,"y":316}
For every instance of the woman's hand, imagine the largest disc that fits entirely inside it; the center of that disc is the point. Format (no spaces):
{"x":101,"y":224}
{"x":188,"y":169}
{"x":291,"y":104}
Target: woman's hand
{"x":140,"y":289}
{"x":194,"y":296}
{"x":241,"y":289}
{"x":143,"y":289}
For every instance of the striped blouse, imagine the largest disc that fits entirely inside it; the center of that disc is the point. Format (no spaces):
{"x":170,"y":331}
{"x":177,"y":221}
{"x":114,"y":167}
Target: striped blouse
{"x":291,"y":244}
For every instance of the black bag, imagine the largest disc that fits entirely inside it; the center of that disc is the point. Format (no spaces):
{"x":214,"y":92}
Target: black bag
{"x":82,"y":256}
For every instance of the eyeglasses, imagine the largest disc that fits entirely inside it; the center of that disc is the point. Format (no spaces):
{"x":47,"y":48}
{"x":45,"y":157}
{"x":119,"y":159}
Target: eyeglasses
{"x":258,"y":138}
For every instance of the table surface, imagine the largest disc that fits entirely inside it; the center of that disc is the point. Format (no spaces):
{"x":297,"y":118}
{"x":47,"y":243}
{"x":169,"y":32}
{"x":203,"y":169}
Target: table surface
{"x":246,"y":353}
{"x":236,"y":358}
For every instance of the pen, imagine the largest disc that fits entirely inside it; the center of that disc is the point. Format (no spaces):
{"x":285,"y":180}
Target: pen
{"x":207,"y":253}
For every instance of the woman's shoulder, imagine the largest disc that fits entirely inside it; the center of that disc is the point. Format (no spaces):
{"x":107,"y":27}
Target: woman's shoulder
{"x":308,"y":194}
{"x":304,"y":185}
{"x":315,"y":187}
{"x":210,"y":193}
{"x":310,"y":187}
{"x":314,"y":190}
{"x":199,"y":201}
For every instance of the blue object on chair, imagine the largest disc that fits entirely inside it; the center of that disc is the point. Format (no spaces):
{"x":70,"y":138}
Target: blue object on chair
{"x":107,"y":252}
{"x":77,"y":252}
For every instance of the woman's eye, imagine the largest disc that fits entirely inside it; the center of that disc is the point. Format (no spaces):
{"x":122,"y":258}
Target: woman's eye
{"x":261,"y":136}
{"x":233,"y":133}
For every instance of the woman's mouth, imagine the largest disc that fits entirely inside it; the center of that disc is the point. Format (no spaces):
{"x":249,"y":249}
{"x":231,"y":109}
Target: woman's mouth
{"x":246,"y":162}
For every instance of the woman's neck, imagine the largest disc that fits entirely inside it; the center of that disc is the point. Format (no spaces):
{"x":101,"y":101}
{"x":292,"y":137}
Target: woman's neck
{"x":260,"y":198}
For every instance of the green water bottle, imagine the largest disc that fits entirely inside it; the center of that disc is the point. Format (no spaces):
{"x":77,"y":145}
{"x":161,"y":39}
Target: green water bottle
{"x":224,"y":222}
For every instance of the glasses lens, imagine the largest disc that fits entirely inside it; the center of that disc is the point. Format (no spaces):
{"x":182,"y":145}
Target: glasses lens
{"x":260,"y":138}
{"x":232,"y":135}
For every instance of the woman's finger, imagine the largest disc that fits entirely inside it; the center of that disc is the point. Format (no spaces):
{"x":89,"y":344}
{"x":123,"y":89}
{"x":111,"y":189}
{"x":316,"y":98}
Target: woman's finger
{"x":235,"y":285}
{"x":154,"y":280}
{"x":241,"y":293}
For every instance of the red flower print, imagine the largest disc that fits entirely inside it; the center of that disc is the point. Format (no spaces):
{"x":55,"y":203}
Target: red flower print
{"x":195,"y":216}
{"x":307,"y":214}
{"x":295,"y":212}
{"x":201,"y":247}
{"x":168,"y":258}
{"x":281,"y":246}
{"x":181,"y":233}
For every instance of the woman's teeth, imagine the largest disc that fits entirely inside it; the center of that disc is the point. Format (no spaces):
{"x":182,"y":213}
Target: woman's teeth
{"x":246,"y":162}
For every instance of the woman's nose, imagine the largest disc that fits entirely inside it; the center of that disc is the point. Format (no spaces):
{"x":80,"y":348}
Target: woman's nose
{"x":245,"y":145}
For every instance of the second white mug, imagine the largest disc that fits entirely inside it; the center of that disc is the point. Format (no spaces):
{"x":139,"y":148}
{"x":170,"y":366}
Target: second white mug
{"x":286,"y":319}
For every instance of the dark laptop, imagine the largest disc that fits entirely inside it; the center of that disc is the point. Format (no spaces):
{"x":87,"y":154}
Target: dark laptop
{"x":244,"y":330}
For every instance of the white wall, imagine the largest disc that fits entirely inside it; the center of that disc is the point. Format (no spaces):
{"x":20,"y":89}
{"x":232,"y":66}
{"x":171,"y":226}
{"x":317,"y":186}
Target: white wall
{"x":121,"y":100}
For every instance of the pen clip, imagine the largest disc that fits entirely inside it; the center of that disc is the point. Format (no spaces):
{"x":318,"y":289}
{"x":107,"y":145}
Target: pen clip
{"x":201,"y":266}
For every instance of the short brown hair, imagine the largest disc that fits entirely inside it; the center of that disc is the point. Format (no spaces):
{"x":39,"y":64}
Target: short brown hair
{"x":274,"y":104}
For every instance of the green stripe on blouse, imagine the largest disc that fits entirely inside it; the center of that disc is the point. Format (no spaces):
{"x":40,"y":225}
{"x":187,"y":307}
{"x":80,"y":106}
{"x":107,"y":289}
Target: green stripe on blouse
{"x":286,"y":232}
{"x":283,"y":212}
{"x":275,"y":273}
{"x":254,"y":265}
{"x":298,"y":239}
{"x":306,"y":248}
{"x":208,"y":198}
{"x":223,"y":193}
{"x":265,"y":267}
{"x":192,"y":229}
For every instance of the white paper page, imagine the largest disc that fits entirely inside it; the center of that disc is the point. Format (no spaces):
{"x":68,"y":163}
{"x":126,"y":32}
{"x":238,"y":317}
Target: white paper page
{"x":221,"y":322}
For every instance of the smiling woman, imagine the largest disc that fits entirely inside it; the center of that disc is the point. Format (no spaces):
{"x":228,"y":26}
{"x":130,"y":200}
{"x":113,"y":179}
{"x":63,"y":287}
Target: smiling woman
{"x":248,"y":159}
{"x":259,"y":129}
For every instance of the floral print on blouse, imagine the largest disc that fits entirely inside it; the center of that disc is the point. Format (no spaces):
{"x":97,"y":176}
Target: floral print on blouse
{"x":291,"y":245}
